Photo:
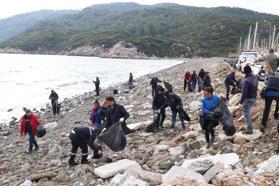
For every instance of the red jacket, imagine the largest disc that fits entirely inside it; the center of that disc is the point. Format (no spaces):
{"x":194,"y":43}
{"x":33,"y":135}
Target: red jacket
{"x":187,"y":76}
{"x":34,"y":122}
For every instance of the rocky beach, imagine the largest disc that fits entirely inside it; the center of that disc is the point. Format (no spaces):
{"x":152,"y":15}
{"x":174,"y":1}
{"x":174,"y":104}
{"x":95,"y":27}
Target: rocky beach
{"x":174,"y":157}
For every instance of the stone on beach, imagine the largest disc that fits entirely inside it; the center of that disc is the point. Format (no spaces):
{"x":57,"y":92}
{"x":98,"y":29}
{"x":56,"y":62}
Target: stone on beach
{"x":112,"y":169}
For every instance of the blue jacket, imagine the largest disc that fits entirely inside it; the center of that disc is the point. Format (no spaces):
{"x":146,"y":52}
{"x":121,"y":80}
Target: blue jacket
{"x":208,"y":105}
{"x":249,"y":87}
{"x":271,"y":93}
{"x":230,"y":79}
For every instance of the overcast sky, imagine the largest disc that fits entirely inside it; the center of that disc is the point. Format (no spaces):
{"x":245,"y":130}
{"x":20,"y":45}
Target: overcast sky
{"x":13,"y":7}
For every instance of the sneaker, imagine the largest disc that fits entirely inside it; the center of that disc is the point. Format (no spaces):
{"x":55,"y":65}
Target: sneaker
{"x":36,"y":149}
{"x":207,"y":145}
{"x":84,"y":161}
{"x":108,"y":160}
{"x":248,"y":131}
{"x":262,"y":129}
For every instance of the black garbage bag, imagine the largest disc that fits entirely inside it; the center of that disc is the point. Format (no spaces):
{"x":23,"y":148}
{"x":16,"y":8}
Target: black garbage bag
{"x":183,"y":115}
{"x":114,"y":137}
{"x":151,"y":127}
{"x":226,"y":119}
{"x":41,"y":131}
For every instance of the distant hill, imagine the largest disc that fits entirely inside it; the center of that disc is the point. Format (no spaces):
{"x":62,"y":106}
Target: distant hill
{"x":161,"y":30}
{"x":12,"y":26}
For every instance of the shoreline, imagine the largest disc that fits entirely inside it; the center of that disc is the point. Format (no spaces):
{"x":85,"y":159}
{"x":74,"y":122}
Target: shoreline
{"x":42,"y":110}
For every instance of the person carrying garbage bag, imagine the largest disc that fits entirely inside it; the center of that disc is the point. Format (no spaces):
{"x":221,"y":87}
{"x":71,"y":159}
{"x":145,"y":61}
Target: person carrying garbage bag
{"x":29,"y":123}
{"x":115,"y":127}
{"x":82,"y":137}
{"x":175,"y":103}
{"x":209,"y":102}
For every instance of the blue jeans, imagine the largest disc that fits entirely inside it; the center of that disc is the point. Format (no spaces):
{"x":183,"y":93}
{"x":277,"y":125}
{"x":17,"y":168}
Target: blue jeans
{"x":248,"y":103}
{"x":194,"y":86}
{"x":173,"y":119}
{"x":32,"y":142}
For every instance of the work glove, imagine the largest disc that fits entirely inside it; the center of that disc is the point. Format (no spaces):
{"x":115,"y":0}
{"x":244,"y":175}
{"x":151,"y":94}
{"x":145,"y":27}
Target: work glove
{"x":121,"y":120}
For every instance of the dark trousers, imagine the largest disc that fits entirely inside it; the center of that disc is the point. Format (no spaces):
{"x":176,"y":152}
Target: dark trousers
{"x":153,"y":90}
{"x":228,"y":89}
{"x":194,"y":83}
{"x":32,"y":141}
{"x":54,"y":104}
{"x":185,"y":85}
{"x":268,"y":103}
{"x":97,"y":89}
{"x":78,"y":143}
{"x":208,"y":128}
{"x":162,"y":117}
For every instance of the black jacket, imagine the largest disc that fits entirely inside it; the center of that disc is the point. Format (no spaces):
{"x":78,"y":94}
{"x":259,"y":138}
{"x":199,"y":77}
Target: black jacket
{"x":207,"y":81}
{"x":158,"y":101}
{"x":114,"y":114}
{"x":173,"y":101}
{"x":97,"y":83}
{"x":201,"y":74}
{"x":194,"y":78}
{"x":53,"y":96}
{"x":86,"y":135}
{"x":154,"y":82}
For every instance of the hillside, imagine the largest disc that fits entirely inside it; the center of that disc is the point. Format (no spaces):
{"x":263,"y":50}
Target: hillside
{"x":12,"y":26}
{"x":162,"y":30}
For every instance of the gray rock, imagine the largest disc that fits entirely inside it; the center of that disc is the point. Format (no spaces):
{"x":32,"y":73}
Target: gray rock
{"x":201,"y":166}
{"x":195,"y":145}
{"x":270,"y":165}
{"x":208,"y":176}
{"x":176,"y":171}
{"x":126,"y":180}
{"x":251,"y":137}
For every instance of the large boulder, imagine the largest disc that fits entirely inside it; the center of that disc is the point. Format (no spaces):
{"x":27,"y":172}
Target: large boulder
{"x":176,"y":172}
{"x":270,"y":165}
{"x":234,"y":100}
{"x":249,"y":137}
{"x":201,"y":166}
{"x":226,"y":159}
{"x":114,"y":168}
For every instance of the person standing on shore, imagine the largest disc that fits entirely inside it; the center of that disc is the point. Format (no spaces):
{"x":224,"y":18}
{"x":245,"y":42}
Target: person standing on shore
{"x":200,"y":80}
{"x":54,"y":102}
{"x":186,"y":79}
{"x":154,"y":82}
{"x":194,"y":79}
{"x":97,"y":86}
{"x":230,"y":81}
{"x":207,"y":80}
{"x":209,"y":102}
{"x":29,"y":123}
{"x":130,"y":82}
{"x":248,"y":97}
{"x":116,"y":114}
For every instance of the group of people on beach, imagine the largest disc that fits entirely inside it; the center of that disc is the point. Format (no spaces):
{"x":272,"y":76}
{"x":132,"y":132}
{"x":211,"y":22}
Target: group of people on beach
{"x":104,"y":116}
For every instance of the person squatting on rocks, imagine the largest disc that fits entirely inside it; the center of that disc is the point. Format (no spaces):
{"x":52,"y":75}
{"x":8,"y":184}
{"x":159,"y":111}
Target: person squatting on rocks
{"x":187,"y":76}
{"x":116,"y":114}
{"x":209,"y":103}
{"x":97,"y":86}
{"x":201,"y":77}
{"x":272,"y":62}
{"x":130,"y":82}
{"x":154,"y":82}
{"x":193,"y":80}
{"x":248,"y":97}
{"x":29,"y":123}
{"x":174,"y":102}
{"x":157,"y":103}
{"x":82,"y":137}
{"x":54,"y":102}
{"x":230,"y":81}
